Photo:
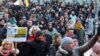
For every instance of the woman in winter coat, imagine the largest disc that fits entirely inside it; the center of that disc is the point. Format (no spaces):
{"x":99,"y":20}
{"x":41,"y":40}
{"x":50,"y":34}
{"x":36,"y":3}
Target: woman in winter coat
{"x":54,"y":47}
{"x":32,"y":32}
{"x":7,"y":48}
{"x":80,"y":31}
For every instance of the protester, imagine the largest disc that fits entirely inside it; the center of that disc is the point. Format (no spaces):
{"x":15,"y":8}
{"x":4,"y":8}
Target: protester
{"x":3,"y":30}
{"x":8,"y":24}
{"x":80,"y":31}
{"x":33,"y":19}
{"x":29,"y":24}
{"x":22,"y":23}
{"x":51,"y":30}
{"x":75,"y":43}
{"x":7,"y":48}
{"x":47,"y":37}
{"x":54,"y":47}
{"x":67,"y":48}
{"x":9,"y":17}
{"x":32,"y":33}
{"x":70,"y":33}
{"x":89,"y":26}
{"x":57,"y":17}
{"x":96,"y":49}
{"x":38,"y":47}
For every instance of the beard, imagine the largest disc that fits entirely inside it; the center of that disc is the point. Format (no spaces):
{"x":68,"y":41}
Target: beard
{"x":1,"y":25}
{"x":50,"y":29}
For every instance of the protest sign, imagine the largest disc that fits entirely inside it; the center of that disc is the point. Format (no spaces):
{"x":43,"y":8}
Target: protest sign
{"x":17,"y":34}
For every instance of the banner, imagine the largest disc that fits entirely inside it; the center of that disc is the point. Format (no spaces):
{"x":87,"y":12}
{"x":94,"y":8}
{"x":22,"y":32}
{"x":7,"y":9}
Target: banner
{"x":17,"y":34}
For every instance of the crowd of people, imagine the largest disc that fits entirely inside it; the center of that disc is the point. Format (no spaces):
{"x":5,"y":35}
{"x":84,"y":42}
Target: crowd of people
{"x":54,"y":29}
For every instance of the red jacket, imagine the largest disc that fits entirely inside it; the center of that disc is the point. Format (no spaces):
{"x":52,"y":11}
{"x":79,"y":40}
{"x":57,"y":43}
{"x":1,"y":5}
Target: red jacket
{"x":31,"y":38}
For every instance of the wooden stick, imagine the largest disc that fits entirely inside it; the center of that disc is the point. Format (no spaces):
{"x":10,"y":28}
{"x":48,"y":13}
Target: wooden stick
{"x":15,"y":49}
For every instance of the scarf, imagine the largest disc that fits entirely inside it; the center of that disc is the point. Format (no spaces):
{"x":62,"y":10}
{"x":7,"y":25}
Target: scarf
{"x":79,"y":26}
{"x":5,"y":52}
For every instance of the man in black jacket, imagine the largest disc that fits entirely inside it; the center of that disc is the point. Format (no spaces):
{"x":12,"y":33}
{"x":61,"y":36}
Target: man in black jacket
{"x":3,"y":30}
{"x":38,"y":47}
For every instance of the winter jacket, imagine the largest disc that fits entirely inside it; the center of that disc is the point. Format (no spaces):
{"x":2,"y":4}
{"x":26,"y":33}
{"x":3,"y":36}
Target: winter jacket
{"x":51,"y":33}
{"x":62,"y":52}
{"x":23,"y":48}
{"x":3,"y":33}
{"x":12,"y":21}
{"x":89,"y":26}
{"x":78,"y":51}
{"x":53,"y":50}
{"x":48,"y":39}
{"x":79,"y":26}
{"x":31,"y":38}
{"x":38,"y":48}
{"x":80,"y":32}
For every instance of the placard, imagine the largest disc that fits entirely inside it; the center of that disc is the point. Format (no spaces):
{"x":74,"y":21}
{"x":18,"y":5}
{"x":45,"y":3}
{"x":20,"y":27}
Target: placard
{"x":17,"y":34}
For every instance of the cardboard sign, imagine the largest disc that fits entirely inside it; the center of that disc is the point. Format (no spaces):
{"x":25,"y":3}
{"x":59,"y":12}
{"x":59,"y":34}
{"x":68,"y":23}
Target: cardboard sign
{"x":17,"y":34}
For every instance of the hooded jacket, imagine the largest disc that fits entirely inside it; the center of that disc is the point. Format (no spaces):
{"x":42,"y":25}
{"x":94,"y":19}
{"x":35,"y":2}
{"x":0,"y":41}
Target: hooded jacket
{"x":62,"y":52}
{"x":38,"y":48}
{"x":78,"y":51}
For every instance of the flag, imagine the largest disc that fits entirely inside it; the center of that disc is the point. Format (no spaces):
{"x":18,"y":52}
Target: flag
{"x":27,"y":3}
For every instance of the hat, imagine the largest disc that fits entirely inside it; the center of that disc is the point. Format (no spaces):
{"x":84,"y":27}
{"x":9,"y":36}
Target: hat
{"x":96,"y":47}
{"x":56,"y":35}
{"x":38,"y":33}
{"x":66,"y":41}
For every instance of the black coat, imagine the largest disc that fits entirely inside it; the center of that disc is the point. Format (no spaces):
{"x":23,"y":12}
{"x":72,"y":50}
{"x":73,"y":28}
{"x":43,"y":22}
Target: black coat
{"x":24,"y":49}
{"x":53,"y":50}
{"x":3,"y":33}
{"x":38,"y":48}
{"x":48,"y":39}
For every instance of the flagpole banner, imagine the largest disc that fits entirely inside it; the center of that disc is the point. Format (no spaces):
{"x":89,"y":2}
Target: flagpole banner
{"x":27,"y":3}
{"x":17,"y":34}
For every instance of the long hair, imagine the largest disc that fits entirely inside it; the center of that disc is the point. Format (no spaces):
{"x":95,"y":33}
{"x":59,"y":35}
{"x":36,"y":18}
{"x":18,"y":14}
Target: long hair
{"x":5,"y":41}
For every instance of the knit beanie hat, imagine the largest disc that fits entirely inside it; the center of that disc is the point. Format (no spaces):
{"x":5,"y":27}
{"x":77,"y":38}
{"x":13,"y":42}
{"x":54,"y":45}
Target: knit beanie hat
{"x":66,"y":41}
{"x":96,"y":47}
{"x":38,"y":33}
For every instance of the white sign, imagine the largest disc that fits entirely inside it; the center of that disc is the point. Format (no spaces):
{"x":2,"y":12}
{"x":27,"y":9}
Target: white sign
{"x":17,"y":34}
